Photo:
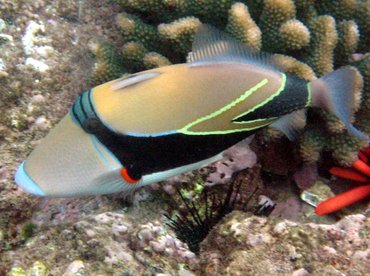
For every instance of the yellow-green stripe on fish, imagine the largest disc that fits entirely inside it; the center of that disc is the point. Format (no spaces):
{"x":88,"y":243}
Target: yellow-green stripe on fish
{"x":155,"y":124}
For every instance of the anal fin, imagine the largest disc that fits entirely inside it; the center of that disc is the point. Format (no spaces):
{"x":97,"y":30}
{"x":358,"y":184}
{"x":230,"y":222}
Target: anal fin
{"x":291,"y":124}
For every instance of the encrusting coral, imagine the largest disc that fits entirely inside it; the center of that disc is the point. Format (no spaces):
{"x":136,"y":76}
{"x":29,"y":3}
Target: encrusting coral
{"x":308,"y":38}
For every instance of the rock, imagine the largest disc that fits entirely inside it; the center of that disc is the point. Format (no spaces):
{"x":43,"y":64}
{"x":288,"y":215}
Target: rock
{"x":39,"y":269}
{"x":306,"y":176}
{"x":300,"y":272}
{"x":2,"y":25}
{"x":17,"y":271}
{"x":38,"y":65}
{"x":38,"y":99}
{"x":250,"y":245}
{"x":42,"y":123}
{"x":236,"y":158}
{"x":76,"y":268}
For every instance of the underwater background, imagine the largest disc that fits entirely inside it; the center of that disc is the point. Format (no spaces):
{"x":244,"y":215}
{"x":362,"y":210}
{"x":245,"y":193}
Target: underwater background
{"x":248,"y":214}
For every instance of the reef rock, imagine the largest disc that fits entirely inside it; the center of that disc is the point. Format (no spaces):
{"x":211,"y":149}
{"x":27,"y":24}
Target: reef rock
{"x":248,"y":245}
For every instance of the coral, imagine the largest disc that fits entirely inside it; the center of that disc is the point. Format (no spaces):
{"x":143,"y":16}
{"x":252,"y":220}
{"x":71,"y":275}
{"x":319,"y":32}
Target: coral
{"x":274,"y":14}
{"x":360,"y":172}
{"x":308,"y":38}
{"x":108,"y":64}
{"x":104,"y":244}
{"x":38,"y":268}
{"x":348,"y":38}
{"x":133,"y":54}
{"x":294,"y":34}
{"x":79,"y":235}
{"x":248,"y":245}
{"x":343,"y":200}
{"x":242,"y":26}
{"x":362,"y":118}
{"x":138,"y":58}
{"x":153,"y":60}
{"x":322,"y":44}
{"x":134,"y":29}
{"x":236,"y":158}
{"x":180,"y":33}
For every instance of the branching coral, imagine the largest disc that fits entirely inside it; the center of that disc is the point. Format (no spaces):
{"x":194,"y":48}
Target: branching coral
{"x":360,"y":172}
{"x":243,"y":27}
{"x":108,"y":63}
{"x":309,"y":38}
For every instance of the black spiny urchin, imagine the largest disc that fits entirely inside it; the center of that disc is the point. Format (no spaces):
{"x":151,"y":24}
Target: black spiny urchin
{"x":193,"y":225}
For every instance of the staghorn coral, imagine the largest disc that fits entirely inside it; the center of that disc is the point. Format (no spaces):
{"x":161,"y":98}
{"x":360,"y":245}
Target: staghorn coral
{"x":108,"y":63}
{"x":180,"y":33}
{"x":348,"y":38}
{"x":294,"y":34}
{"x":322,"y":44}
{"x":154,"y":60}
{"x":362,"y":117}
{"x":139,"y":58}
{"x":309,"y":38}
{"x":274,"y":14}
{"x":242,"y":26}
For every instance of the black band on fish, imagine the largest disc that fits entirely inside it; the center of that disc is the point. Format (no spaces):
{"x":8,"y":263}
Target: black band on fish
{"x":84,"y":113}
{"x":294,"y":97}
{"x":143,"y":155}
{"x":155,"y":154}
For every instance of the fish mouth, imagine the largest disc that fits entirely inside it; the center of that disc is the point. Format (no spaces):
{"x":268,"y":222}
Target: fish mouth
{"x":67,"y":163}
{"x":26,"y":182}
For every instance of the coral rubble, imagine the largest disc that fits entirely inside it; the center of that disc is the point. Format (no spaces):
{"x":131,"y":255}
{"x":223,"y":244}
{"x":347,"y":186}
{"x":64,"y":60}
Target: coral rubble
{"x":107,"y":243}
{"x":247,"y":245}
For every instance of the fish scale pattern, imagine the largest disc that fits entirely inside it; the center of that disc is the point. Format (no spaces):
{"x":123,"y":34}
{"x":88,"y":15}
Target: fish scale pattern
{"x":308,"y":38}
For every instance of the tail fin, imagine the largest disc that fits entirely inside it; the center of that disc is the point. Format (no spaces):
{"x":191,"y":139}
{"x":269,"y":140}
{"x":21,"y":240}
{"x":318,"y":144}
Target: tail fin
{"x":335,"y":92}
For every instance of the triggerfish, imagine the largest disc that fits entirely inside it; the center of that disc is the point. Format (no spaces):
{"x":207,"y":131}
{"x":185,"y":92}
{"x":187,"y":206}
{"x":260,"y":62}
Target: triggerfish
{"x":158,"y":123}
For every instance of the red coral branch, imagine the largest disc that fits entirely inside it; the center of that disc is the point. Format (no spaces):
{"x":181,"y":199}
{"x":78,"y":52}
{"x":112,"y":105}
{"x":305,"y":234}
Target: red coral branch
{"x":363,"y":157}
{"x":360,"y":172}
{"x":348,"y":174}
{"x":362,"y":167}
{"x":342,"y":200}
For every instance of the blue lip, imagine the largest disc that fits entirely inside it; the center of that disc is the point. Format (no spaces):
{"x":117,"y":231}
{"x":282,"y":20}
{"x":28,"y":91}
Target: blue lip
{"x":27,"y":184}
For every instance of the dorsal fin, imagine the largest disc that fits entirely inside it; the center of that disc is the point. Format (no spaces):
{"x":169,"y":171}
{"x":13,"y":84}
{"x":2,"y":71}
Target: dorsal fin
{"x":212,"y":45}
{"x":133,"y":79}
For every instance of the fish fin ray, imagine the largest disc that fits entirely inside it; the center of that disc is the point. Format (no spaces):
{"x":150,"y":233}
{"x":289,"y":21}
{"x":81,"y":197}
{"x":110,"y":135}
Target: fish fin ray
{"x":338,"y":97}
{"x":212,"y":45}
{"x":291,"y":124}
{"x":112,"y":182}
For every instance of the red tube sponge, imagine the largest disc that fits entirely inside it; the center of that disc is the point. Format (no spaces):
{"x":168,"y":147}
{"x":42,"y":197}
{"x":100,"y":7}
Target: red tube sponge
{"x":363,"y":157}
{"x":362,"y":167}
{"x":342,"y":200}
{"x":348,"y":174}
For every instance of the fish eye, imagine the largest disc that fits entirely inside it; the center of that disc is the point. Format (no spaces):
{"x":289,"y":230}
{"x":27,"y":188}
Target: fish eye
{"x":90,"y":125}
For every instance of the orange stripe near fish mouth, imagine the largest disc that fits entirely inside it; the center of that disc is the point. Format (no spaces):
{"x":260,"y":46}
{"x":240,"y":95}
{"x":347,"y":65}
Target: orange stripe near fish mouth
{"x":127,"y":177}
